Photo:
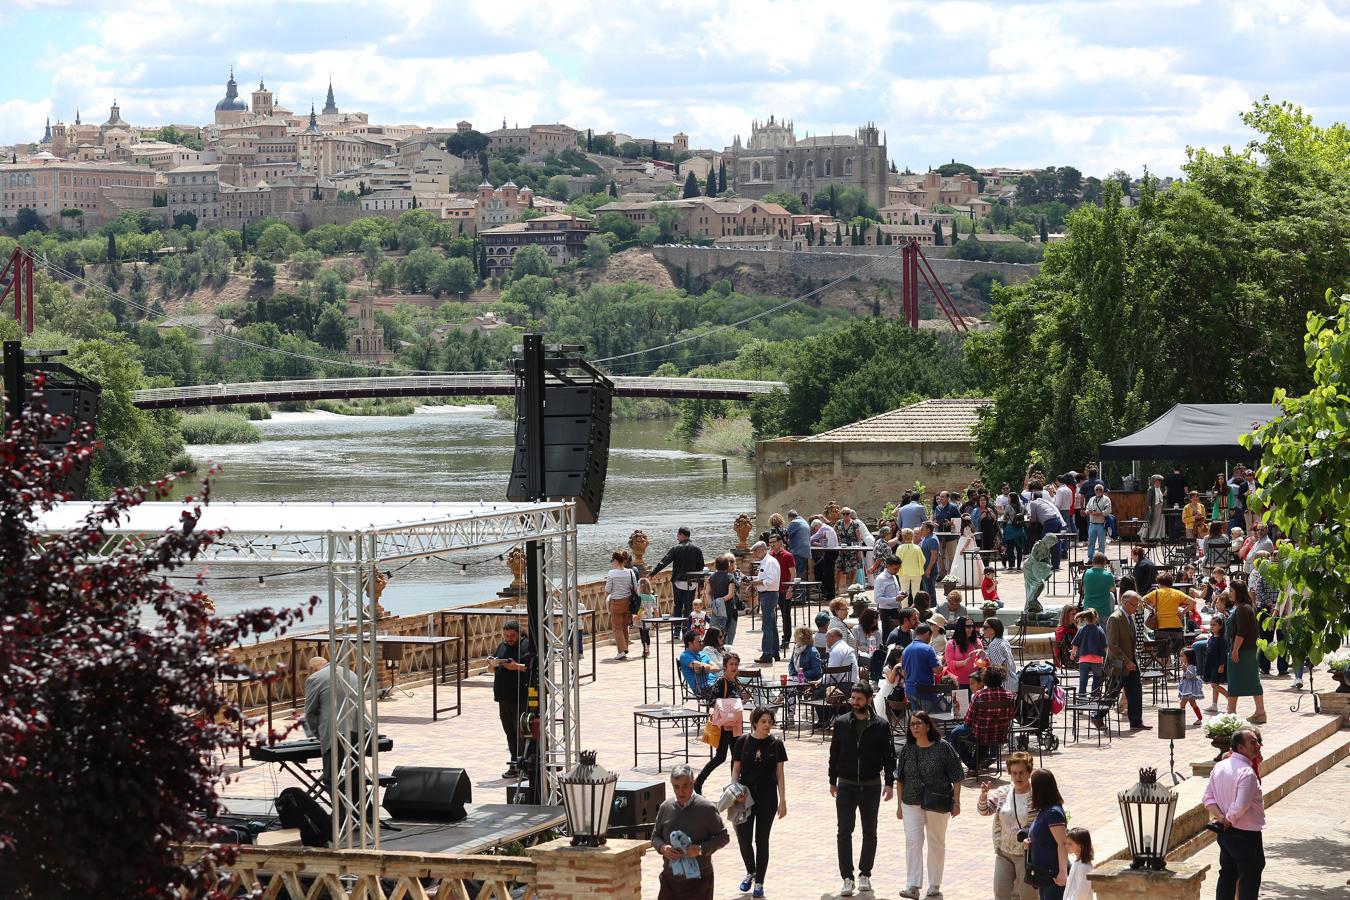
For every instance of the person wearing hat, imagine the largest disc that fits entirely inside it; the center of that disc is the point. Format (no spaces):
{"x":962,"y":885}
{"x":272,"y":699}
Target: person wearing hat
{"x":822,"y":627}
{"x":938,"y":622}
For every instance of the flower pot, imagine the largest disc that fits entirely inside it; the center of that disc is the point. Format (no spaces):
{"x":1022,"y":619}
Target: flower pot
{"x":1224,"y":744}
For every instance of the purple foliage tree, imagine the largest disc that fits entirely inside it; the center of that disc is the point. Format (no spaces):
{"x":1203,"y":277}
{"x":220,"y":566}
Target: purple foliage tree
{"x":113,"y":727}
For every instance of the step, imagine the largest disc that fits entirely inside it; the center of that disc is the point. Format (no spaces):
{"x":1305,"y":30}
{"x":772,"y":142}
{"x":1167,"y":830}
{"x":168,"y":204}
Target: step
{"x":1290,"y":776}
{"x":1322,"y":746}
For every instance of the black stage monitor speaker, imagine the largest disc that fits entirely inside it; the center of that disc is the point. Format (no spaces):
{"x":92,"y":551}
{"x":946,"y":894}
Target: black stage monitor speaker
{"x":635,"y":805}
{"x":576,"y":447}
{"x":428,"y":794}
{"x":296,"y":809}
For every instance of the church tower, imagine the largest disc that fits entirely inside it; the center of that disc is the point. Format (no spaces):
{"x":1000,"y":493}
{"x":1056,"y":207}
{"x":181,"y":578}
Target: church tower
{"x":262,"y":101}
{"x":330,"y":105}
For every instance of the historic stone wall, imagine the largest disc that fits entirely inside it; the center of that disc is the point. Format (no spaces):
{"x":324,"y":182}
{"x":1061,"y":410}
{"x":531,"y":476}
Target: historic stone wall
{"x":823,"y":264}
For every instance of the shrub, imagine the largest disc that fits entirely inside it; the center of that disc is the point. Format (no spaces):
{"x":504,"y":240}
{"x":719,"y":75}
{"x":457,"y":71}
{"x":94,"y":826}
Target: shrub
{"x":726,"y":437}
{"x":217,"y":427}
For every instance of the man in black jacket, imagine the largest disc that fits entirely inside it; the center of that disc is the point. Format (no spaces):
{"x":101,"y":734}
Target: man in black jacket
{"x":862,"y":753}
{"x":683,"y":558}
{"x":510,"y":664}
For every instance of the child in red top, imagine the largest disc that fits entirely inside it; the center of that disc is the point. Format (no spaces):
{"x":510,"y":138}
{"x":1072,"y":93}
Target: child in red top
{"x":1064,"y":634}
{"x":989,"y":587}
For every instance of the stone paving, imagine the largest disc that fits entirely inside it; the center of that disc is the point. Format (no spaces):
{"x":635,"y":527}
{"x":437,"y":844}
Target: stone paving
{"x":1307,"y":839}
{"x":803,"y":858}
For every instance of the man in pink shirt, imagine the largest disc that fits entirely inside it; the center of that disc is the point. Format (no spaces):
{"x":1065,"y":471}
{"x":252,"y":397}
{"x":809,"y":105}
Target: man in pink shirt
{"x":1233,"y":798}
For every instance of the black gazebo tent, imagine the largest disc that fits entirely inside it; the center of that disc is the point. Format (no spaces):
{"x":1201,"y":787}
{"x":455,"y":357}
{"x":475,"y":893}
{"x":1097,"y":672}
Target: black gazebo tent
{"x":1197,"y":431}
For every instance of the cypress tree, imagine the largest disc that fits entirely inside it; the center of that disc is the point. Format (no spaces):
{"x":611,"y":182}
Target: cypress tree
{"x":822,"y":237}
{"x":613,"y":188}
{"x":1045,"y":231}
{"x":690,"y":186}
{"x":879,"y":236}
{"x":112,"y":247}
{"x":954,"y":237}
{"x":721,"y":178}
{"x":888,"y":240}
{"x":712,"y":183}
{"x":937,"y":235}
{"x":838,"y":238}
{"x":590,"y":141}
{"x":810,"y":234}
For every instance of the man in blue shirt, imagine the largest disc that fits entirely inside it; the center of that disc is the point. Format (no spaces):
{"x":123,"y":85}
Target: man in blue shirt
{"x":695,"y":667}
{"x":944,"y":510}
{"x":911,"y":512}
{"x":932,"y":551}
{"x":920,"y":664}
{"x":799,"y":544}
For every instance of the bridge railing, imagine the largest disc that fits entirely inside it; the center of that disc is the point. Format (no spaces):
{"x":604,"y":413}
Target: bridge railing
{"x":429,"y":385}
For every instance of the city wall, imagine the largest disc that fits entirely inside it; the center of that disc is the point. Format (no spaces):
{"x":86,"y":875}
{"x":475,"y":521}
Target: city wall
{"x":821,"y":264}
{"x":807,"y":475}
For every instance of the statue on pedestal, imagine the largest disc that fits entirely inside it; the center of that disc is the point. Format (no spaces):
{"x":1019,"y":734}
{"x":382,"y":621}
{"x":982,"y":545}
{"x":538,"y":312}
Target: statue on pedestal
{"x":832,"y":512}
{"x":743,"y":526}
{"x":1036,"y":572}
{"x":515,"y":561}
{"x":638,"y":543}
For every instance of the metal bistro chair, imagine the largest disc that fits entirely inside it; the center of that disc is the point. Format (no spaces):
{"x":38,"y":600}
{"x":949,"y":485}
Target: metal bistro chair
{"x":828,"y":705}
{"x":1094,"y":706}
{"x":937,"y":700}
{"x":1032,"y":703}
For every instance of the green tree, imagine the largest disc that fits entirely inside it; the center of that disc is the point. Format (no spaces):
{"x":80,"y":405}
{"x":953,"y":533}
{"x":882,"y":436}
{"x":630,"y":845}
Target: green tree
{"x":597,"y":251}
{"x":457,"y":276}
{"x":649,"y":234}
{"x":955,"y":238}
{"x":1304,"y":488}
{"x":711,"y":187}
{"x":331,"y":332}
{"x":1045,"y":232}
{"x":304,"y":264}
{"x":722,"y":177}
{"x":328,"y":287}
{"x":371,"y":257}
{"x":937,"y":234}
{"x":690,"y":186}
{"x":666,"y":219}
{"x":264,"y":272}
{"x":386,"y":275}
{"x":277,"y":241}
{"x":418,"y":269}
{"x":112,"y":248}
{"x":531,"y":293}
{"x":613,"y":188}
{"x":531,"y":260}
{"x":786,"y":199}
{"x":622,"y":227}
{"x":185,"y":220}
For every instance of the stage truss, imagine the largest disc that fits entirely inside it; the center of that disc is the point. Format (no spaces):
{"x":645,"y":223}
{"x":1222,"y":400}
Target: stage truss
{"x":350,"y":541}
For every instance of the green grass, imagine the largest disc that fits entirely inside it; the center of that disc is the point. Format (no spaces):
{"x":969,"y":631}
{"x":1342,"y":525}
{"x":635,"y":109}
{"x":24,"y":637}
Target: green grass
{"x":367,"y":407}
{"x":215,"y":427}
{"x":727,"y":437}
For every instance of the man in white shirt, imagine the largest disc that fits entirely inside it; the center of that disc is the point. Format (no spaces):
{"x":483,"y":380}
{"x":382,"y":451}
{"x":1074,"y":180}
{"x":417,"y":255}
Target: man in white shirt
{"x":1098,"y":510}
{"x":841,"y":654}
{"x":766,"y":584}
{"x":1047,"y":515}
{"x":887,"y":594}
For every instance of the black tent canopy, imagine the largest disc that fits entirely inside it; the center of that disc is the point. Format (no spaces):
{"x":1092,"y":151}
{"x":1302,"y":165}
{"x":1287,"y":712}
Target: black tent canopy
{"x":1194,"y":431}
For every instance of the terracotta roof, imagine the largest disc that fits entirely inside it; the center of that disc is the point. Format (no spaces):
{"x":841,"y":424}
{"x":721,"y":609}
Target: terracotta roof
{"x":940,"y":420}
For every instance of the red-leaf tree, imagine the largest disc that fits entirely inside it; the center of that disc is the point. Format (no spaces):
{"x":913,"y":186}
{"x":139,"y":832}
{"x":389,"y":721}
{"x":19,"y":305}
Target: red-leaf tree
{"x":113,"y":727}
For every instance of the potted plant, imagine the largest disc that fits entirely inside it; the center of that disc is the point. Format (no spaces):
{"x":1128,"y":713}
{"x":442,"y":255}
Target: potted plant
{"x":1220,"y":730}
{"x":1338,"y":664}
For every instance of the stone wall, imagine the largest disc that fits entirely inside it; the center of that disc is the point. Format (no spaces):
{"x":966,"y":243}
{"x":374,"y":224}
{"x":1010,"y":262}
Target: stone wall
{"x":822,"y":264}
{"x":806,"y":475}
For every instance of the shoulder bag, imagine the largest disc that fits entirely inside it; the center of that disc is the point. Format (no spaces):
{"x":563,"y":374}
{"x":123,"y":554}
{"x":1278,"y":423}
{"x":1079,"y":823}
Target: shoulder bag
{"x":634,"y":598}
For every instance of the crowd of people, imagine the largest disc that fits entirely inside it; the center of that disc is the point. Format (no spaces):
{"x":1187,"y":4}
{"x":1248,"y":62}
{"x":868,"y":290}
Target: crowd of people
{"x":920,"y":644}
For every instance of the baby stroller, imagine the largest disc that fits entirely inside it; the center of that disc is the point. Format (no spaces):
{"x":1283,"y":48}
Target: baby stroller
{"x":1038,"y":693}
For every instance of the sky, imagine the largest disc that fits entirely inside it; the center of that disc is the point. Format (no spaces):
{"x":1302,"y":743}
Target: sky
{"x":1117,"y":84}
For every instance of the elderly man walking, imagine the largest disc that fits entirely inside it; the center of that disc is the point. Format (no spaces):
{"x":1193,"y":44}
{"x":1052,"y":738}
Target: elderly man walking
{"x":1233,"y":798}
{"x":687,"y":832}
{"x":1122,"y":659}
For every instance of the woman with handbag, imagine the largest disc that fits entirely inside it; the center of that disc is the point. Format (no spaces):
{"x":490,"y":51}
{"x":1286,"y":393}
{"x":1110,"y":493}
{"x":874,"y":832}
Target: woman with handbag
{"x":1047,"y":866}
{"x":929,"y":775}
{"x":621,"y":587}
{"x":1012,"y":811}
{"x":757,"y":763}
{"x":725,"y":715}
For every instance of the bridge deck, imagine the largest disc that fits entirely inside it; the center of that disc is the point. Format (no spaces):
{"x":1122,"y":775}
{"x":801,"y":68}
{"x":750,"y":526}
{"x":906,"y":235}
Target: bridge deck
{"x":432,"y":386}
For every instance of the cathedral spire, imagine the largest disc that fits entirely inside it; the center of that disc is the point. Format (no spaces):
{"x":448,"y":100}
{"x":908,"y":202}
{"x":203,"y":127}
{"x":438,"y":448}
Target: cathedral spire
{"x":330,"y":105}
{"x":77,"y":115}
{"x":47,"y":135}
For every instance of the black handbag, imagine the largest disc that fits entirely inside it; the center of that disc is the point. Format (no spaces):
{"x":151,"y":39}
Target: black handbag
{"x":937,"y":799}
{"x":1037,"y":876}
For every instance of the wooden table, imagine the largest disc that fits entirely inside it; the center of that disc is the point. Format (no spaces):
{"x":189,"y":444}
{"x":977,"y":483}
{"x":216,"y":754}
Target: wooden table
{"x":519,"y":613}
{"x":438,"y":667}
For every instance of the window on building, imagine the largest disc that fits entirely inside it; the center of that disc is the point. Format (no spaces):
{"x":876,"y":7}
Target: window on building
{"x":829,"y":167}
{"x":848,"y":166}
{"x":810,"y":168}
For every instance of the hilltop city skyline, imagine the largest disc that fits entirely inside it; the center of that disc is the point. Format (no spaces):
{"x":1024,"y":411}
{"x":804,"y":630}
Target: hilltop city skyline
{"x":1097,"y":86}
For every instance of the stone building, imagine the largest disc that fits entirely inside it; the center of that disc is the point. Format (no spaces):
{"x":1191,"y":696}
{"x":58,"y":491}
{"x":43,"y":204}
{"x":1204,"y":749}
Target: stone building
{"x":366,"y":341}
{"x":563,"y":238}
{"x":931,"y":189}
{"x":196,"y":190}
{"x":870,"y":463}
{"x":776,"y":161}
{"x":537,"y":140}
{"x":48,"y":185}
{"x":499,"y":206}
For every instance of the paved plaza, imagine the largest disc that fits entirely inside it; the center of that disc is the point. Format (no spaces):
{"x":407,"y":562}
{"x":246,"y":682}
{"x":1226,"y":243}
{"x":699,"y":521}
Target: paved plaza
{"x":803,"y":861}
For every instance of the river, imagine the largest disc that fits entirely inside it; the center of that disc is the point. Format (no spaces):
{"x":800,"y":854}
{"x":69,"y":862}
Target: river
{"x":458,"y":453}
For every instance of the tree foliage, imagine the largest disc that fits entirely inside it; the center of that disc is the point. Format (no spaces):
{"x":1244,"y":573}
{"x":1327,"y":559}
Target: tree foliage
{"x":114,"y":725}
{"x":1199,"y":293}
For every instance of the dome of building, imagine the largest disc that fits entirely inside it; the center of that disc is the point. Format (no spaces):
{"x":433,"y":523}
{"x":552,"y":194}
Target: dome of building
{"x":231,"y":102}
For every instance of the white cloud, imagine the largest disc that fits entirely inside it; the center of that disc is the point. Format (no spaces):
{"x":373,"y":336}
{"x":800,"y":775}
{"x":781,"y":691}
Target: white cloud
{"x":1098,"y":84}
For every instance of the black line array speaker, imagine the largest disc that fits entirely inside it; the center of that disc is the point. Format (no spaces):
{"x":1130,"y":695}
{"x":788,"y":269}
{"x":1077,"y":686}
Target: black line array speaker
{"x":82,"y":405}
{"x":428,"y":794}
{"x":576,"y":447}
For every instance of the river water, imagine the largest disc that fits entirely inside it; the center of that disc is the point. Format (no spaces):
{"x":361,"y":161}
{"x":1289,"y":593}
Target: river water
{"x":459,"y":453}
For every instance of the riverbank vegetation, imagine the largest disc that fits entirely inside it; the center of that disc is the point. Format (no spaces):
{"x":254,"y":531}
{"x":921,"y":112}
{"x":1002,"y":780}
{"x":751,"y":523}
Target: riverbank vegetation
{"x":218,"y":427}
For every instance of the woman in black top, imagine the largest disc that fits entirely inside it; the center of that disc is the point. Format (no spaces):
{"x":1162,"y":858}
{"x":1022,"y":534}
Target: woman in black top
{"x":757,"y":763}
{"x":724,"y":687}
{"x":929,"y":775}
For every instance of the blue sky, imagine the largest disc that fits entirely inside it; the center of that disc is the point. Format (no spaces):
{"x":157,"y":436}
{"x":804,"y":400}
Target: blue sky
{"x":1100,"y":85}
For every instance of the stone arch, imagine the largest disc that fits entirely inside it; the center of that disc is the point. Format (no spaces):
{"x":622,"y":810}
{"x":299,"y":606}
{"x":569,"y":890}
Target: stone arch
{"x":810,"y":168}
{"x":848,"y":166}
{"x":756,"y":172}
{"x":829,"y":168}
{"x":791,"y":169}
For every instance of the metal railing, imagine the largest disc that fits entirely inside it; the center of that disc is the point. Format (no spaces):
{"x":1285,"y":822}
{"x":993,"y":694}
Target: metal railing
{"x":486,"y":384}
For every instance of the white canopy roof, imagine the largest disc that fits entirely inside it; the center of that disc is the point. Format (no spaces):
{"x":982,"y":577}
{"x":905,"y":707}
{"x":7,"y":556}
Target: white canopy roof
{"x":282,"y":533}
